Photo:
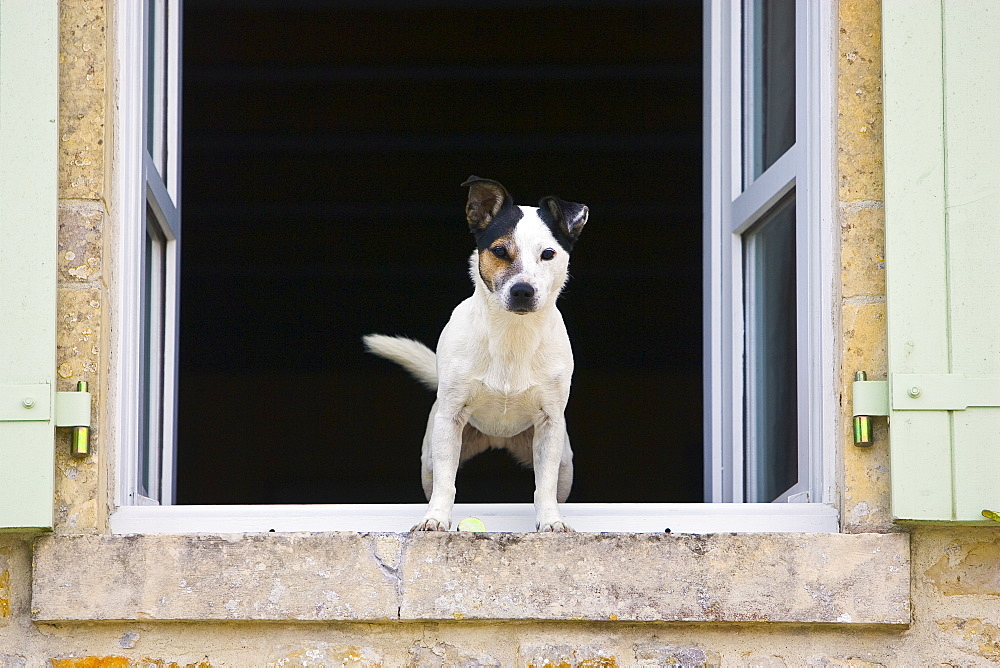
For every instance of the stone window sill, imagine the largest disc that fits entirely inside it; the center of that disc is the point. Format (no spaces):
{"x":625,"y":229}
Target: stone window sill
{"x":343,"y":576}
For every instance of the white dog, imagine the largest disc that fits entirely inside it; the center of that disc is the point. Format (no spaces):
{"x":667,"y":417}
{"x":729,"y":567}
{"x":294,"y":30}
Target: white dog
{"x":503,"y":365}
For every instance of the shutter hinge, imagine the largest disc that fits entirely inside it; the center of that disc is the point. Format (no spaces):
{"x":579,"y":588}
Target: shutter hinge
{"x":25,"y":403}
{"x":871,"y":398}
{"x":918,"y":392}
{"x":33,"y":403}
{"x":942,"y":392}
{"x":73,"y":410}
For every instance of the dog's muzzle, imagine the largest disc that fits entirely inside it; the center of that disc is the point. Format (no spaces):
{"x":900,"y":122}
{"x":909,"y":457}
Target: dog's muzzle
{"x":522,"y":298}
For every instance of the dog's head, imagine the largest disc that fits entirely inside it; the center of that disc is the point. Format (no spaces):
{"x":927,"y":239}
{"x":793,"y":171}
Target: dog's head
{"x":522,"y":251}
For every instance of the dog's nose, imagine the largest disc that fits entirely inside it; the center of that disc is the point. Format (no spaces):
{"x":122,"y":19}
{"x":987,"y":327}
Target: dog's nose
{"x":522,"y":296}
{"x":522,"y":290}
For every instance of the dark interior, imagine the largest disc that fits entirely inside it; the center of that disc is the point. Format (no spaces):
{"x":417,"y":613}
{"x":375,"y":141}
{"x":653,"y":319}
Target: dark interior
{"x":324,"y":145}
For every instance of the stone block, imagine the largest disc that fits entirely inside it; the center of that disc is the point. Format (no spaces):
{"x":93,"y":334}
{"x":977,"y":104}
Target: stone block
{"x":255,"y":577}
{"x":968,"y":568}
{"x":550,"y":655}
{"x":862,"y":250}
{"x":859,"y":101}
{"x":976,"y":636}
{"x":324,"y":654}
{"x":647,"y":577}
{"x":82,"y":98}
{"x":804,"y":578}
{"x":866,"y":503}
{"x":659,"y":654}
{"x":79,"y":336}
{"x":446,"y":655}
{"x":81,"y":256}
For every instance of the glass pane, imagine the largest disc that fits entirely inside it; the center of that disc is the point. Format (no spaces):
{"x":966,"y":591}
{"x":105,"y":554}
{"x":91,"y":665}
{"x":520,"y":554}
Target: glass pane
{"x":156,"y":82}
{"x":771,"y":388}
{"x":150,"y":423}
{"x":769,"y":115}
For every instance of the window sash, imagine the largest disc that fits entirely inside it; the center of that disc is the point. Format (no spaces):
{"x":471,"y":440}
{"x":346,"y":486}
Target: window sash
{"x":144,"y":391}
{"x":730,"y":212}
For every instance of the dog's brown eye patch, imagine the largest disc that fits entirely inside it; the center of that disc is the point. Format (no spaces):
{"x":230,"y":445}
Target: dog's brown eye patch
{"x":548,"y":254}
{"x":493,"y":265}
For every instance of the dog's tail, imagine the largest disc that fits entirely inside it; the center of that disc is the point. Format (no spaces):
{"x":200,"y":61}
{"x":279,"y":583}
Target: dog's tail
{"x":412,"y":355}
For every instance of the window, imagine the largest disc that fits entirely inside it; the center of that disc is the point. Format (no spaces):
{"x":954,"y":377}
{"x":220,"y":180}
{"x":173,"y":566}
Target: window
{"x":769,"y":414}
{"x":149,"y":195}
{"x":339,"y":213}
{"x":367,"y":197}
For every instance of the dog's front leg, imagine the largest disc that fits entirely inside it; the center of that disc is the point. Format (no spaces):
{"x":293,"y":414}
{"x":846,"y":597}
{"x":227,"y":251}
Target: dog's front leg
{"x":547,"y":453}
{"x":445,"y":449}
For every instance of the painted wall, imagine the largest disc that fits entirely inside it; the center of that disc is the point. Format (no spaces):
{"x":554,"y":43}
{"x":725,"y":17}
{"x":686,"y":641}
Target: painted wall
{"x":954,"y":573}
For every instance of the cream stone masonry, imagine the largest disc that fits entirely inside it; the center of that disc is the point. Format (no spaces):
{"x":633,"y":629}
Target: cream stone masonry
{"x":84,"y":267}
{"x":864,"y":475}
{"x":801,"y":578}
{"x":75,"y":598}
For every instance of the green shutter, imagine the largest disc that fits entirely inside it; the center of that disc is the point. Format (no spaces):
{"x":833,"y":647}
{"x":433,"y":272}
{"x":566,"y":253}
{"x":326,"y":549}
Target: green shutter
{"x":28,"y":180}
{"x":942,"y":206}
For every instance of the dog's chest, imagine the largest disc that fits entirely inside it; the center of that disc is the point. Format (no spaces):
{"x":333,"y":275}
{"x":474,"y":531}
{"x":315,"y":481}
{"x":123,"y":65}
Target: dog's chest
{"x":504,"y":414}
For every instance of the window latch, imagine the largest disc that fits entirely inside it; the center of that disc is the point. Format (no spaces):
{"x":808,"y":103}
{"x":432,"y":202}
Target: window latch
{"x":871,"y":398}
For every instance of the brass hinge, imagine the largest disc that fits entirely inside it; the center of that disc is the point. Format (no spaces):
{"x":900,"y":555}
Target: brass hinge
{"x":871,"y":398}
{"x":73,"y":410}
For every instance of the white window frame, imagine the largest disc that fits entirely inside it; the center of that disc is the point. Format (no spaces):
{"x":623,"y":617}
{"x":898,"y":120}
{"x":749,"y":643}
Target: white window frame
{"x":731,"y":210}
{"x":141,"y":188}
{"x":724,"y":309}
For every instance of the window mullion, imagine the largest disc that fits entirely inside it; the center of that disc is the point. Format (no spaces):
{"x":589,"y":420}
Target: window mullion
{"x":816,"y":234}
{"x":160,"y":200}
{"x":761,"y":195}
{"x":805,"y":264}
{"x":723,"y":349}
{"x":764,"y":231}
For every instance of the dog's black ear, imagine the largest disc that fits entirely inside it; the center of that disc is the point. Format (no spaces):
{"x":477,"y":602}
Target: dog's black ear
{"x":570,"y":216}
{"x":486,"y":197}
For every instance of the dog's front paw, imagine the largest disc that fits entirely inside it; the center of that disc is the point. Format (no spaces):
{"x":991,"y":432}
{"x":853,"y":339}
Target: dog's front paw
{"x":556,"y":527}
{"x":431,"y":524}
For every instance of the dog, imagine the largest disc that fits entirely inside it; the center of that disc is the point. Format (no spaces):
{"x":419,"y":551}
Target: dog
{"x":503,"y":365}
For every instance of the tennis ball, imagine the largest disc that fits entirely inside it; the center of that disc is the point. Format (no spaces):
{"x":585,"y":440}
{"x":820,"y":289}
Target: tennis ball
{"x":471,"y":524}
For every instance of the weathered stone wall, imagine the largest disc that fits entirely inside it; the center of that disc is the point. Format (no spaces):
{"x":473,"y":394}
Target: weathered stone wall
{"x":862,"y":223}
{"x":84,"y":240}
{"x":954,"y":573}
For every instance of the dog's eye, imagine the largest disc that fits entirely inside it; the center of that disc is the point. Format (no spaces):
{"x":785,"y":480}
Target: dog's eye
{"x":548,"y":254}
{"x":499,"y":251}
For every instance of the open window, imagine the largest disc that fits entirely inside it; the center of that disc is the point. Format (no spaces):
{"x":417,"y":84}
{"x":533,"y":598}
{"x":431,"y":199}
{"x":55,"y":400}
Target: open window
{"x":148,"y":252}
{"x":324,"y":147}
{"x":770,"y":415}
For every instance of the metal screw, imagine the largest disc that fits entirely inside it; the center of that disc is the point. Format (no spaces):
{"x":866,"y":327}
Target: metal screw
{"x":28,"y":402}
{"x":914,"y":391}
